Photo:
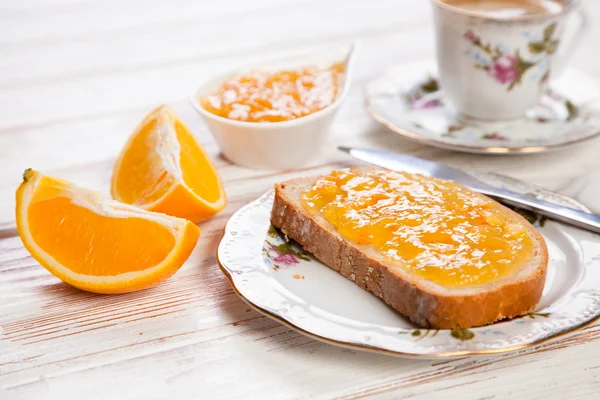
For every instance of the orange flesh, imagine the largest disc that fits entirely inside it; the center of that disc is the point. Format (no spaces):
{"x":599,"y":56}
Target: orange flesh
{"x":436,"y":229}
{"x":195,"y":167}
{"x":74,"y":234}
{"x":275,"y":97}
{"x":148,"y":179}
{"x":140,"y":158}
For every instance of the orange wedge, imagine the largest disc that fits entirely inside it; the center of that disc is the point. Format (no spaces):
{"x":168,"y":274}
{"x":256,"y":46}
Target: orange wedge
{"x":163,"y":168}
{"x":98,"y":244}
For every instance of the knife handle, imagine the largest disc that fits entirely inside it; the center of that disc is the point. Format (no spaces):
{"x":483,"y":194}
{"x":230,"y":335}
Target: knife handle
{"x":571,"y":216}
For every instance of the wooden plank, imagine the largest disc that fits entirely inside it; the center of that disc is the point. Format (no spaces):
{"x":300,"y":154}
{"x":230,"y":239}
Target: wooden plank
{"x":87,"y":158}
{"x":87,"y":139}
{"x":196,"y":317}
{"x":160,"y":45}
{"x":76,"y":76}
{"x":75,"y":148}
{"x":105,"y":94}
{"x":75,"y":24}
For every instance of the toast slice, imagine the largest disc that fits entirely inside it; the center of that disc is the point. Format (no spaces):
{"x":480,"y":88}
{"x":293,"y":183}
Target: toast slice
{"x":423,"y":301}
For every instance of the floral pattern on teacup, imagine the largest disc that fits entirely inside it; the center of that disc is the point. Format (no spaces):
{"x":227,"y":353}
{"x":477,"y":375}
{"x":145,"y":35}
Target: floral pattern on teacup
{"x":547,"y":45}
{"x":508,"y":67}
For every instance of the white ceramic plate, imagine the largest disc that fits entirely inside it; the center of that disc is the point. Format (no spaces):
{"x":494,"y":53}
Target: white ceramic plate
{"x":282,"y":281}
{"x":409,"y":101}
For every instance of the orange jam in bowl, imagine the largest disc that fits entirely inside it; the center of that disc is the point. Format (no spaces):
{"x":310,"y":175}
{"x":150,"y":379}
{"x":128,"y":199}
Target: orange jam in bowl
{"x":260,"y":96}
{"x":436,"y":229}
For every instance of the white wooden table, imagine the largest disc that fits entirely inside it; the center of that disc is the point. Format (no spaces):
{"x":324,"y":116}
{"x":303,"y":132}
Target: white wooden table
{"x":75,"y":78}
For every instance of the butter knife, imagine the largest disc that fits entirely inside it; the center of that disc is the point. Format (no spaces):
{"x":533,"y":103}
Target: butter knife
{"x":401,"y":162}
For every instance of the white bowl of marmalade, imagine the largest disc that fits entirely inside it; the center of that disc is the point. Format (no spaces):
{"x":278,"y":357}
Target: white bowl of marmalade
{"x":275,"y":116}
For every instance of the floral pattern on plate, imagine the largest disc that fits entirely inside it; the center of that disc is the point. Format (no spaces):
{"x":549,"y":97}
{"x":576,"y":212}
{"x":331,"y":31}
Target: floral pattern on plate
{"x":329,"y":307}
{"x":280,"y":252}
{"x":410,"y":101}
{"x":420,"y":97}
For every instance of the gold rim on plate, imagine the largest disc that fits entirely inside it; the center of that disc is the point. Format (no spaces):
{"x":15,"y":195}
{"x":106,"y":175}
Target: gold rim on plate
{"x":355,"y":346}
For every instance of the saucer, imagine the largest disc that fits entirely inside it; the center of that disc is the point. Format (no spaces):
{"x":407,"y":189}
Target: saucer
{"x":284,"y":282}
{"x":408,"y":100}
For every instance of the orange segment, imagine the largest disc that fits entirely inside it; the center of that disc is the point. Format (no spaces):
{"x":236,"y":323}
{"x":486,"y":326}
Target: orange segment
{"x":163,"y":168}
{"x":98,"y":244}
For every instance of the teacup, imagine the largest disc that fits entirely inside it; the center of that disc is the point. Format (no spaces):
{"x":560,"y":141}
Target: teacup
{"x":495,"y":64}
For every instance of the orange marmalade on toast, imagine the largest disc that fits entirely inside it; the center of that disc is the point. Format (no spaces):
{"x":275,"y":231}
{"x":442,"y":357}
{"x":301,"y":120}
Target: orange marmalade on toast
{"x":261,"y":96}
{"x":436,"y":229}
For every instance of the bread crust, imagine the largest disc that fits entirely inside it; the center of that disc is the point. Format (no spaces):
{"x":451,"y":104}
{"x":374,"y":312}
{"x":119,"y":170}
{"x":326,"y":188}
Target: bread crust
{"x":422,"y":305}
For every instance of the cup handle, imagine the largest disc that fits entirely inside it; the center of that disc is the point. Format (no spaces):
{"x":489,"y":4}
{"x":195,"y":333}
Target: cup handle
{"x":570,"y":44}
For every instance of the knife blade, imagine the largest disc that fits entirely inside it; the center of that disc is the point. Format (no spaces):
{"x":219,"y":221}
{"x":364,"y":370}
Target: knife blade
{"x":402,"y":162}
